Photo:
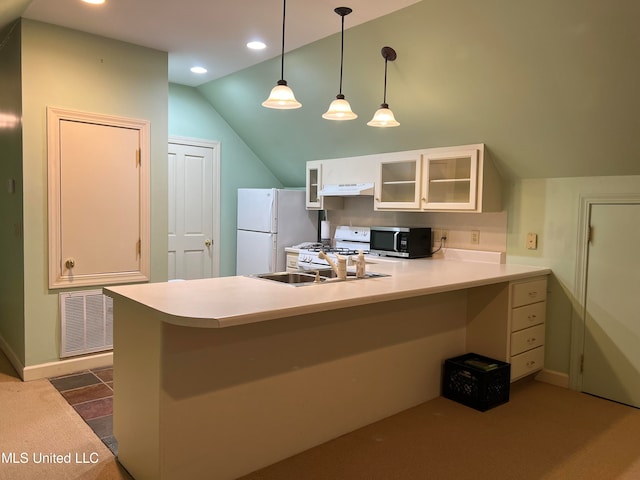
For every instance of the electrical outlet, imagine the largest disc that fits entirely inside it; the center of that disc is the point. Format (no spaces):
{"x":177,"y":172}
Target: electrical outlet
{"x":438,"y":235}
{"x":475,"y":237}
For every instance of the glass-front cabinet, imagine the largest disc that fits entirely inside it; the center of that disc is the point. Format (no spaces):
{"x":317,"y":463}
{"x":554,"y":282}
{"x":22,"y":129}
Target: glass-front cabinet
{"x":314,"y":185}
{"x":398,"y":184}
{"x":450,"y":180}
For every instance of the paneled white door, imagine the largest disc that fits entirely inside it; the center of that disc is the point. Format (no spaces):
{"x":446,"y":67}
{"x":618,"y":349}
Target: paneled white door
{"x":612,"y":322}
{"x":192,"y":212}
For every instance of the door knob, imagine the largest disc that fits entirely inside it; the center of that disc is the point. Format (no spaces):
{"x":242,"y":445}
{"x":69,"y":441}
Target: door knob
{"x":208,"y":242}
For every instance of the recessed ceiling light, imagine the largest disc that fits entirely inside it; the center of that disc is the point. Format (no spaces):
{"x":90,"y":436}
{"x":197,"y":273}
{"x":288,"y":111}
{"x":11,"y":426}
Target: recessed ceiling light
{"x":94,"y":2}
{"x":256,"y":45}
{"x":199,"y":70}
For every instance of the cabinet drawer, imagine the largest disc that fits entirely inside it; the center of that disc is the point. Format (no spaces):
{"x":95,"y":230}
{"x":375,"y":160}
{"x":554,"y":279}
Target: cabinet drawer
{"x":529,"y":292}
{"x":527,"y":362}
{"x":528,"y":316}
{"x":527,"y":339}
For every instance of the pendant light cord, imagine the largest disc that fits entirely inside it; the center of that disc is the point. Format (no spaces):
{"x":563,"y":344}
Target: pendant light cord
{"x":341,"y":54}
{"x":284,"y":13}
{"x":384,"y":100}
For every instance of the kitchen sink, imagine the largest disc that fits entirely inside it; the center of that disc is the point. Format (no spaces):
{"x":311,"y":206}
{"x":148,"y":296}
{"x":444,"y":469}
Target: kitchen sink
{"x":310,"y":278}
{"x":290,"y":277}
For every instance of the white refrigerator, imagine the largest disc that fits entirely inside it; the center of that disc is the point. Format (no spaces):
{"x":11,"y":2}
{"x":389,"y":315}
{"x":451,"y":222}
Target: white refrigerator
{"x":270,"y":219}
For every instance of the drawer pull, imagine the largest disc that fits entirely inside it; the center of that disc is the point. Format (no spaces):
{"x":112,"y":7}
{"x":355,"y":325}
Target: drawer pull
{"x":531,"y":340}
{"x":533,"y":294}
{"x":531,"y":363}
{"x":532,"y":317}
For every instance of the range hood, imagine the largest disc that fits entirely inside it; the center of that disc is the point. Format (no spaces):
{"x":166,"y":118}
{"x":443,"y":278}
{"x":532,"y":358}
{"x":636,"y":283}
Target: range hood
{"x":346,"y":189}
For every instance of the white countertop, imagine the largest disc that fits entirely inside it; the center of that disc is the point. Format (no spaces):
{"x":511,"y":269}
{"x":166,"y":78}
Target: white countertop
{"x":229,"y":301}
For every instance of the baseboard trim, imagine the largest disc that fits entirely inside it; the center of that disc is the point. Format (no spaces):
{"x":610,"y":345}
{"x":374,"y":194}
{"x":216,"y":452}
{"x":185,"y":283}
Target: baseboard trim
{"x":11,"y":356}
{"x":65,"y":367}
{"x":558,"y":379}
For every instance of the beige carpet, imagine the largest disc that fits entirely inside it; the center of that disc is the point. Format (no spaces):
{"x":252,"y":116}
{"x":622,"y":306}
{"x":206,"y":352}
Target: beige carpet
{"x":37,"y":424}
{"x":544,"y":432}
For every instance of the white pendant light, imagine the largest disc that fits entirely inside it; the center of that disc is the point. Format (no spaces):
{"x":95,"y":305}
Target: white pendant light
{"x":383,"y":116}
{"x":281,"y":96}
{"x":340,"y":108}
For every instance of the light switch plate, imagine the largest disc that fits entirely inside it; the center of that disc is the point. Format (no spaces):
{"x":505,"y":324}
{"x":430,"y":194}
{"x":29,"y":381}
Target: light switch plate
{"x":532,"y":241}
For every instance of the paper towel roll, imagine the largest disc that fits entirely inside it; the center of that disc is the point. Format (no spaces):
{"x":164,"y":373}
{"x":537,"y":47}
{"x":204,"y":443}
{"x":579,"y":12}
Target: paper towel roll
{"x":325,"y":230}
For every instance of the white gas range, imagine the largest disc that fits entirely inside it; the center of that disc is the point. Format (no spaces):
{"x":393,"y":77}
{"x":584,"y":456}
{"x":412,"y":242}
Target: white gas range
{"x":348,"y":241}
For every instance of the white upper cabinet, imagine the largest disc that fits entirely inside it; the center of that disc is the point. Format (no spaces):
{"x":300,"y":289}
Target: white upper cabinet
{"x":443,"y":179}
{"x":460,"y":179}
{"x":314,"y":183}
{"x":398,"y":183}
{"x":450,"y":180}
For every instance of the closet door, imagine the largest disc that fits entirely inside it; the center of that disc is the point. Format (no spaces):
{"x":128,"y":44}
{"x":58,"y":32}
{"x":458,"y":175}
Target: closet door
{"x":98,"y":209}
{"x":612,"y":324}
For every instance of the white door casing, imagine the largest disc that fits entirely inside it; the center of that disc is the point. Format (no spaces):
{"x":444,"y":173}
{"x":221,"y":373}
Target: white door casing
{"x":194,"y":212}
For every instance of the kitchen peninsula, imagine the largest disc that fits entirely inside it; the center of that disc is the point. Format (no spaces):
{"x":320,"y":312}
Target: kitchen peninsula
{"x":216,"y":378}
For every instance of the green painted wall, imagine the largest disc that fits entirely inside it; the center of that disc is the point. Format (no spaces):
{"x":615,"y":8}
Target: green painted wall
{"x":550,"y":208}
{"x":190,"y":115}
{"x":11,"y":245}
{"x":70,"y":69}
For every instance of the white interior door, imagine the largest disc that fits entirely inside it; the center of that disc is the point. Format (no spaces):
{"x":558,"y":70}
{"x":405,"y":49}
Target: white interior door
{"x":612,"y":320}
{"x":193,"y":199}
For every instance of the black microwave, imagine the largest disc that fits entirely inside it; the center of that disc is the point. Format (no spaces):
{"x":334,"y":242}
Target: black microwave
{"x":404,"y":242}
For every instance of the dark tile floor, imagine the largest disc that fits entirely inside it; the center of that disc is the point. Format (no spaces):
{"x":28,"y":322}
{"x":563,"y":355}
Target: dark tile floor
{"x":90,"y":393}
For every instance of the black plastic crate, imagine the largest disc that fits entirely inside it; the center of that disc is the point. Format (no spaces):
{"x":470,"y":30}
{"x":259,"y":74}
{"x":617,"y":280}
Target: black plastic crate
{"x":476,"y":381}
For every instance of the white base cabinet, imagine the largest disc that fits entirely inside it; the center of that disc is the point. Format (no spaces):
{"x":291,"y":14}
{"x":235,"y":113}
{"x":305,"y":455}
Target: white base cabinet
{"x":292,"y":261}
{"x":507,"y":322}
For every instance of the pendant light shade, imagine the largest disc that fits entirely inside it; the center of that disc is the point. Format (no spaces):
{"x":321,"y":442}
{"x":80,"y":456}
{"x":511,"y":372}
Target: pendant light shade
{"x":383,"y":116}
{"x":340,"y":108}
{"x":281,"y":96}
